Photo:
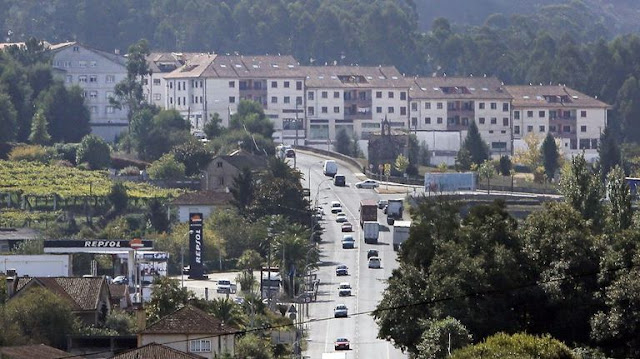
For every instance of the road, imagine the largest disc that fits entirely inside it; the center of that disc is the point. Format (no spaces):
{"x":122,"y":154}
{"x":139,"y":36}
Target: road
{"x":367,"y":284}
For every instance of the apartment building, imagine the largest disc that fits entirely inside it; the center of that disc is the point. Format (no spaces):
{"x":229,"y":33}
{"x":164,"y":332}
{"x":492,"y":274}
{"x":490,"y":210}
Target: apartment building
{"x":574,"y":118}
{"x":211,"y":83}
{"x":96,"y":72}
{"x":445,"y":104}
{"x":160,"y":64}
{"x":356,"y":98}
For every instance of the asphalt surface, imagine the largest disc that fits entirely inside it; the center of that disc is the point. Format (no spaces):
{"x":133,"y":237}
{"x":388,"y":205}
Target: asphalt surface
{"x":367,"y":284}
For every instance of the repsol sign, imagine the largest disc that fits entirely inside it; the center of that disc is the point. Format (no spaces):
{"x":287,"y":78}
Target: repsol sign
{"x":103,"y":244}
{"x":196,"y":246}
{"x":88,"y":244}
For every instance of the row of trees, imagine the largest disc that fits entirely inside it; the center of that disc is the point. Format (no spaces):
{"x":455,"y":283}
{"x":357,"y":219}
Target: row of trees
{"x":568,"y":270}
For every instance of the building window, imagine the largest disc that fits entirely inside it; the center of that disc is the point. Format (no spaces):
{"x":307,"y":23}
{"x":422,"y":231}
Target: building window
{"x":552,"y":128}
{"x":505,"y":121}
{"x":298,"y":100}
{"x":336,"y":94}
{"x":414,"y":122}
{"x":93,"y":109}
{"x":541,"y":114}
{"x":427,"y":120}
{"x":439,"y":120}
{"x":310,"y":96}
{"x":516,"y":130}
{"x":584,"y":143}
{"x":274,"y":99}
{"x":93,"y":94}
{"x":156,"y":96}
{"x":583,"y":113}
{"x":494,"y":120}
{"x":583,"y":128}
{"x":529,"y":128}
{"x":516,"y":115}
{"x":439,"y":106}
{"x":378,"y":109}
{"x":481,"y":120}
{"x":76,"y":49}
{"x":336,"y":109}
{"x":324,"y":109}
{"x":232,"y":84}
{"x":171,"y":85}
{"x":403,"y":110}
{"x":594,"y":143}
{"x":286,"y":84}
{"x":481,"y":105}
{"x":287,"y":99}
{"x":390,"y":94}
{"x":325,"y":94}
{"x":541,"y":128}
{"x":505,"y":107}
{"x":403,"y":96}
{"x":566,"y":129}
{"x":494,"y":105}
{"x":298,"y":85}
{"x":179,"y":100}
{"x":232,"y":99}
{"x":69,"y":79}
{"x":82,"y":78}
{"x":390,"y":109}
{"x":110,"y":109}
{"x":427,"y":105}
{"x":414,"y":106}
{"x":156,"y":82}
{"x":274,"y":84}
{"x":82,"y":63}
{"x":310,"y":110}
{"x":529,"y":114}
{"x":179,"y":88}
{"x":465,"y":121}
{"x":93,"y":78}
{"x":378,"y":94}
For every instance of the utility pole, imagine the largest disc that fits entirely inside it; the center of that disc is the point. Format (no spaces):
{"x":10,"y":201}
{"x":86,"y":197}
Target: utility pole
{"x":269,"y":238}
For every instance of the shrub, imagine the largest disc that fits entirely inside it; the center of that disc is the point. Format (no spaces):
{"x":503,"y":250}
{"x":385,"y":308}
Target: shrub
{"x":516,"y":346}
{"x":166,"y":168}
{"x":67,"y":151}
{"x":95,"y":151}
{"x":33,"y":153}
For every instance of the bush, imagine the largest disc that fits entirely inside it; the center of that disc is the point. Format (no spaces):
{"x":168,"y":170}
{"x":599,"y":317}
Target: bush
{"x":67,"y":151}
{"x":505,"y":166}
{"x":166,"y":168}
{"x":94,"y":151}
{"x":33,"y":153}
{"x":118,"y":197}
{"x":519,"y":345}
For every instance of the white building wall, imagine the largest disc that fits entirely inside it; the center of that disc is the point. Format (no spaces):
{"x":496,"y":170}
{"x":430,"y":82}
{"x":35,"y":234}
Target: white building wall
{"x":429,"y":116}
{"x":280,"y":112}
{"x":222,"y":97}
{"x":494,"y":124}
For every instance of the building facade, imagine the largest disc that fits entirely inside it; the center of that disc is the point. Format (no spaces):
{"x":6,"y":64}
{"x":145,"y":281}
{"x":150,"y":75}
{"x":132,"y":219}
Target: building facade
{"x":160,"y":64}
{"x":97,"y":73}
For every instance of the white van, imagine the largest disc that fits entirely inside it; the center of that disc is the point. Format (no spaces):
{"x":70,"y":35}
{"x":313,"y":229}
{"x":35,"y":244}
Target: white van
{"x":330,"y":168}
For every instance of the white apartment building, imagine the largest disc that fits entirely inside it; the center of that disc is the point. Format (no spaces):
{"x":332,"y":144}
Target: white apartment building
{"x":96,"y":72}
{"x":573,"y":117}
{"x":444,"y":104}
{"x":355,"y":98}
{"x":210,"y":83}
{"x":160,"y":64}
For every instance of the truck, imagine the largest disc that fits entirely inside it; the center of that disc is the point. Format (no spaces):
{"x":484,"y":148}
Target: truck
{"x":368,"y":211}
{"x":400,"y":233}
{"x":330,"y":168}
{"x":394,"y":210}
{"x":449,"y":182}
{"x":37,"y":265}
{"x":225,"y":286}
{"x":371,"y":231}
{"x":334,"y":355}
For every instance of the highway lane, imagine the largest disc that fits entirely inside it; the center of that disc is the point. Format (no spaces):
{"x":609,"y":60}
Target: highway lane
{"x":367,"y":284}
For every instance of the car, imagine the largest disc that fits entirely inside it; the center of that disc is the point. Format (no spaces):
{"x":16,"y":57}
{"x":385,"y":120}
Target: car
{"x":372,"y":253}
{"x":382,"y":203}
{"x":341,"y":217}
{"x":341,"y":311}
{"x":348,"y":241}
{"x":342,"y":270}
{"x":341,"y":344}
{"x":347,"y":227}
{"x":344,"y":289}
{"x":290,"y":153}
{"x":121,"y":279}
{"x":367,"y":184}
{"x":336,"y":207}
{"x":374,"y":262}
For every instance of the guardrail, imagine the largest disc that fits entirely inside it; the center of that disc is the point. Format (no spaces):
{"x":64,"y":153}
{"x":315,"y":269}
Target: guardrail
{"x":333,"y":154}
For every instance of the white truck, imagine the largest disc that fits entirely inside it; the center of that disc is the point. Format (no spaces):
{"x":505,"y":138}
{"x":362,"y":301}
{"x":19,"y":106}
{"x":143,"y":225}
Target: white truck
{"x":37,"y":265}
{"x":371,"y":231}
{"x":334,"y":355}
{"x":394,"y":210}
{"x":330,"y":168}
{"x":400,"y":233}
{"x":225,"y":286}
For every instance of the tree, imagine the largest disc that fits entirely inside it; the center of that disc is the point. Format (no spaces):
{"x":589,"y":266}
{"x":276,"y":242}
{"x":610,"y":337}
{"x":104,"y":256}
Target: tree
{"x":441,"y":336}
{"x":8,"y":119}
{"x":505,"y":166}
{"x":475,"y":145}
{"x":487,"y":170}
{"x":250,"y":117}
{"x":194,"y":155}
{"x":531,"y":155}
{"x":157,"y":215}
{"x":424,"y":155}
{"x":39,"y":134}
{"x":166,"y":168}
{"x":519,"y":345}
{"x":118,"y":197}
{"x":342,"y":143}
{"x":550,"y":156}
{"x":252,"y":346}
{"x":213,"y":127}
{"x":609,"y":151}
{"x":628,"y":107}
{"x":620,"y":206}
{"x":167,"y":297}
{"x":65,"y":111}
{"x":155,"y":133}
{"x":463,"y":160}
{"x":94,"y":151}
{"x":582,"y":189}
{"x":227,"y":311}
{"x":401,"y":164}
{"x":243,"y":190}
{"x":250,"y":260}
{"x":41,"y":317}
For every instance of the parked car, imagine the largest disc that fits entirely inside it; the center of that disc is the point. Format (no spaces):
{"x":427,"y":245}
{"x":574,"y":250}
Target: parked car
{"x":382,"y":203}
{"x":347,"y":227}
{"x":341,"y":344}
{"x":367,"y":184}
{"x":341,"y":217}
{"x":225,"y":286}
{"x":290,"y":153}
{"x":372,"y":253}
{"x":344,"y":289}
{"x":336,"y":207}
{"x":342,"y":270}
{"x":348,"y":242}
{"x":374,"y":262}
{"x":341,"y":311}
{"x":121,"y":279}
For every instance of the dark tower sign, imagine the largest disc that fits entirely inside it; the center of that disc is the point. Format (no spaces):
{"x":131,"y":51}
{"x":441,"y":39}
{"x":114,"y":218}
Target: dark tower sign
{"x":196,"y":246}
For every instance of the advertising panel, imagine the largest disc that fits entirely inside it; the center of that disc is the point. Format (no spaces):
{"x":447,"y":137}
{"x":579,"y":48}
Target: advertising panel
{"x":196,"y":246}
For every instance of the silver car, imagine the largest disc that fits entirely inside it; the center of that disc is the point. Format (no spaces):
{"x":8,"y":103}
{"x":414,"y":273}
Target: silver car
{"x":341,"y":311}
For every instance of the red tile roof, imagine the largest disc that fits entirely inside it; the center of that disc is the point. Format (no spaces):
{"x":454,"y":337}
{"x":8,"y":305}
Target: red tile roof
{"x":82,"y":293}
{"x":155,"y":351}
{"x":189,"y":320}
{"x":537,"y":96}
{"x":33,"y":351}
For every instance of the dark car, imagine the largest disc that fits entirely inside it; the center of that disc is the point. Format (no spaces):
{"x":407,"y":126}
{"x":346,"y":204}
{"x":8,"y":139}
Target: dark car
{"x":290,"y":153}
{"x":372,"y":253}
{"x":342,"y":270}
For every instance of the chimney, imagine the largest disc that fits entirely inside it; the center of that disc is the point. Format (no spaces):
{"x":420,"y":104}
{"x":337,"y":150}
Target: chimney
{"x":116,"y":51}
{"x":141,"y":318}
{"x":12,"y":282}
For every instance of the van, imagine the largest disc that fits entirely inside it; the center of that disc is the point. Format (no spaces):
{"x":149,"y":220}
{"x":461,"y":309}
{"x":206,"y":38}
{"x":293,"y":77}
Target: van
{"x":339,"y":180}
{"x":330,"y":168}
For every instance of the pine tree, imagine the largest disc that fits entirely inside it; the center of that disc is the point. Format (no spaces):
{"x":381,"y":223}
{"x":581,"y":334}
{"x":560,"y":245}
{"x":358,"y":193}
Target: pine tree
{"x":39,"y":134}
{"x":475,"y":145}
{"x":550,"y":156}
{"x":609,"y":152}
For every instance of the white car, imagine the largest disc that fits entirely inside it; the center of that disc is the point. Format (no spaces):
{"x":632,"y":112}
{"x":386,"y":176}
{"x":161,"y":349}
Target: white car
{"x":340,"y":311}
{"x":336,"y":207}
{"x":374,"y":262}
{"x":367,"y":184}
{"x":341,"y":217}
{"x":344,"y":289}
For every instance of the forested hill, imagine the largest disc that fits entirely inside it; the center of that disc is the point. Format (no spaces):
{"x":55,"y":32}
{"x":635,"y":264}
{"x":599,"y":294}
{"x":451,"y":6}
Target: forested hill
{"x":616,"y":16}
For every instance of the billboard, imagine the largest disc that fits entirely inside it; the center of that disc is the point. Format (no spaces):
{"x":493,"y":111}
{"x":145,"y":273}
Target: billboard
{"x":196,"y":246}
